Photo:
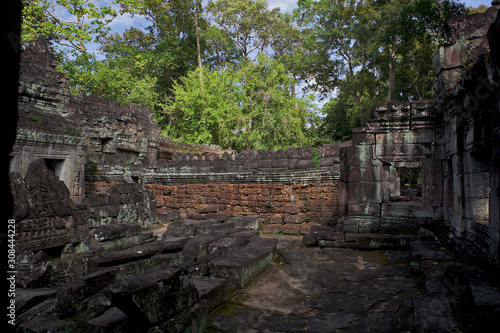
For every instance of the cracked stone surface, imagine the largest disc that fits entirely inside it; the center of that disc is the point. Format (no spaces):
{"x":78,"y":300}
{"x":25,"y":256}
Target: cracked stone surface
{"x":325,"y":290}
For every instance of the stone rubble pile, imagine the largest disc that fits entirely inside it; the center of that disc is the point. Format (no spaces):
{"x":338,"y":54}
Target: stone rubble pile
{"x":134,"y":280}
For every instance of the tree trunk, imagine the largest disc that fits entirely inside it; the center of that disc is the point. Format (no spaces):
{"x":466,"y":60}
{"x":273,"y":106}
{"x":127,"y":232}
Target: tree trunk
{"x":392,"y":76}
{"x":198,"y":49}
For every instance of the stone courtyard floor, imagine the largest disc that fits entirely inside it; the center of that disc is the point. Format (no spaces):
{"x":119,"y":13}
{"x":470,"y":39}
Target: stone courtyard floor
{"x":342,"y":290}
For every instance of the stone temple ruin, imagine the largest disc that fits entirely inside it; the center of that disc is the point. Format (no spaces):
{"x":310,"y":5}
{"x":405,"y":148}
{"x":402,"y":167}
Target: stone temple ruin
{"x":94,"y":185}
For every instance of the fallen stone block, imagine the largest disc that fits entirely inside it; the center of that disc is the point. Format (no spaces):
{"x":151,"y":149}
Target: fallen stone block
{"x":486,"y":298}
{"x":113,"y":320}
{"x":425,"y":234}
{"x":28,"y":298}
{"x":309,"y":240}
{"x":241,"y":267}
{"x":433,"y":314}
{"x":115,"y":231}
{"x":191,"y":228}
{"x":153,"y":296}
{"x":246,"y":222}
{"x":199,"y":246}
{"x":382,"y":241}
{"x":99,"y":303}
{"x":429,"y":250}
{"x":72,"y":297}
{"x":135,"y":253}
{"x":123,"y":243}
{"x":236,"y":240}
{"x":34,"y":270}
{"x":305,"y":228}
{"x":214,"y":290}
{"x":214,"y":226}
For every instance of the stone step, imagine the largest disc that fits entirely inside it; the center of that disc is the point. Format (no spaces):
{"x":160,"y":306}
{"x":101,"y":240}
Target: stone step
{"x":324,"y":237}
{"x":135,"y":253}
{"x":214,"y":291}
{"x":115,"y":231}
{"x":123,"y":242}
{"x":246,"y":222}
{"x":153,"y":296}
{"x":242,"y":266}
{"x":193,"y":228}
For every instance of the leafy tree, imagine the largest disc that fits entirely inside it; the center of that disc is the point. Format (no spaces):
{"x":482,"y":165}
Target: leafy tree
{"x":220,"y":50}
{"x":479,"y":9}
{"x":68,"y":23}
{"x":243,"y":107}
{"x":248,"y":23}
{"x":107,"y":80}
{"x":338,"y":46}
{"x":336,"y":126}
{"x":369,"y":51}
{"x":408,"y":34}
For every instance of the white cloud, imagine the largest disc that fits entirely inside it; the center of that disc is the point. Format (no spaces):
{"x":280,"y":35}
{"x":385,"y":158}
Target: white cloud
{"x":284,"y":5}
{"x":125,"y":21}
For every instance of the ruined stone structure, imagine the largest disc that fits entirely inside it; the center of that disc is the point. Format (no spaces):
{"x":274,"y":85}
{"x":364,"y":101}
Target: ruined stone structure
{"x":464,"y":169}
{"x":398,"y":138}
{"x":89,"y":176}
{"x":93,"y":146}
{"x":445,"y":151}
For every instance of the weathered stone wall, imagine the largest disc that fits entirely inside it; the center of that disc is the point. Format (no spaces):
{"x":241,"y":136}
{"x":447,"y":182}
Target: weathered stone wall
{"x":44,"y":213}
{"x":122,"y":203}
{"x":73,"y":132}
{"x":399,"y":135}
{"x":250,"y":182}
{"x":95,"y":146}
{"x":286,"y":208}
{"x":463,"y":183}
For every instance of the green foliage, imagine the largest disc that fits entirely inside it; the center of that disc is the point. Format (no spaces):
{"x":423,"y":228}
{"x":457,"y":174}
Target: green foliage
{"x":46,"y":18}
{"x":369,"y":51}
{"x":315,"y":157}
{"x":227,"y":74}
{"x":244,"y":107}
{"x":106,"y":79}
{"x":409,"y":176}
{"x":248,"y":23}
{"x":37,"y":119}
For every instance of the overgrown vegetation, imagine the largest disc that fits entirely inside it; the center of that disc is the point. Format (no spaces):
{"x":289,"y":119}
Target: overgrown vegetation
{"x":238,"y":74}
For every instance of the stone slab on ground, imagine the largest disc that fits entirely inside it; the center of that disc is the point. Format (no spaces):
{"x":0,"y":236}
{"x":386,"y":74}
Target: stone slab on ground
{"x":28,"y":298}
{"x":113,"y":320}
{"x":107,"y":259}
{"x":73,"y":297}
{"x":322,"y":290}
{"x":123,"y":242}
{"x":192,"y":228}
{"x":246,"y":222}
{"x":153,"y":296}
{"x":430,"y":250}
{"x":242,"y":266}
{"x":116,"y":231}
{"x":433,"y":314}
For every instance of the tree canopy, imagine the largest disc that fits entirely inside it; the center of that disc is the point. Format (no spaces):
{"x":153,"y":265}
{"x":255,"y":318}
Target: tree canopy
{"x":239,"y":74}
